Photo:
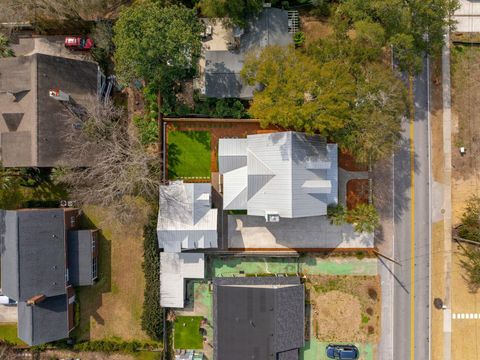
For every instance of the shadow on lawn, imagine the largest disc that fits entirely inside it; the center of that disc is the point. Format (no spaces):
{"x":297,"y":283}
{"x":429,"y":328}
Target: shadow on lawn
{"x":203,"y":137}
{"x":174,"y":153}
{"x":90,"y":297}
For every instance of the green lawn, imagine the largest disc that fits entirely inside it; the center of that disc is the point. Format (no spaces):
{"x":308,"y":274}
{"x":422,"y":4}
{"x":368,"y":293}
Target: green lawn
{"x":8,"y":333}
{"x":187,"y":333}
{"x":189,"y":154}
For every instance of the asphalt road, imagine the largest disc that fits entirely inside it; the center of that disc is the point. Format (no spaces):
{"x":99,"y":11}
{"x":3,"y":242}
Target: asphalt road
{"x":411,"y":284}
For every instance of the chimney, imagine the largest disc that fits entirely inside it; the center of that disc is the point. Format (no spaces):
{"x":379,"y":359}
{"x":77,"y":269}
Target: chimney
{"x":59,"y":95}
{"x":36,"y":299}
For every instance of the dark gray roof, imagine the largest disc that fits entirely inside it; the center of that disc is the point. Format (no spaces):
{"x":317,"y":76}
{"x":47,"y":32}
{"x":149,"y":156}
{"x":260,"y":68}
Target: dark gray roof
{"x":80,"y":257}
{"x":258,"y":317}
{"x":222,"y":68}
{"x":27,"y":108}
{"x":76,"y":78}
{"x":45,"y":322}
{"x":33,"y":253}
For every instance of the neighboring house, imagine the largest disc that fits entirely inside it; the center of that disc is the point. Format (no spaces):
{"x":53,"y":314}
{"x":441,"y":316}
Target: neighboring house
{"x":258,"y":318}
{"x":222,"y":67}
{"x":186,"y":221}
{"x":39,"y":95}
{"x":279,"y":175}
{"x":43,"y":256}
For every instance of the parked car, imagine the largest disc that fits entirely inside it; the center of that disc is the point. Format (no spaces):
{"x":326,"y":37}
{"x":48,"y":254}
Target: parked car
{"x":342,"y":352}
{"x":78,"y":43}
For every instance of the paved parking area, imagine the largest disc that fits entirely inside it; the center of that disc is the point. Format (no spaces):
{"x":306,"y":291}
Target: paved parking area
{"x":252,"y":232}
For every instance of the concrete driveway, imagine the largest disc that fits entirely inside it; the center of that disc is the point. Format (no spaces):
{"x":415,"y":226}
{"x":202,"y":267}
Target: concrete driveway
{"x":8,"y":314}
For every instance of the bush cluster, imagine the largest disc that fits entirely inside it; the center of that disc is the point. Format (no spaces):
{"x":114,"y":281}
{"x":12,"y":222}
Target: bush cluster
{"x":152,"y":316}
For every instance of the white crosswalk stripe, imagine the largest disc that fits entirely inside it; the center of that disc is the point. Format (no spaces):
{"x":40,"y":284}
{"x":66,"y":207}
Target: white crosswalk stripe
{"x":465,"y":316}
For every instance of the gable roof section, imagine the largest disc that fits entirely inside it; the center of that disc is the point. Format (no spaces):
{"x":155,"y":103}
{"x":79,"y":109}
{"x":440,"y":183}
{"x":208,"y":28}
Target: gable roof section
{"x":265,"y":312}
{"x":36,"y":240}
{"x":80,"y":257}
{"x":185,"y":218}
{"x":291,"y":173}
{"x":174,"y":269}
{"x":44,"y":322}
{"x":44,"y":122}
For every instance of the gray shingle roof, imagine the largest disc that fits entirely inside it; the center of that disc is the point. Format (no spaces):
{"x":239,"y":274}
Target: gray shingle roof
{"x":33,"y":254}
{"x":25,"y":82}
{"x":258,"y":318}
{"x":80,"y":257}
{"x":45,"y":322}
{"x":222,"y":68}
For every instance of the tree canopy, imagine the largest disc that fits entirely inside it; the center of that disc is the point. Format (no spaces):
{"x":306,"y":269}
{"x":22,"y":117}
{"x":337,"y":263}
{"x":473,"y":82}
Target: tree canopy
{"x":5,"y":50}
{"x":412,"y":27}
{"x":236,"y":10}
{"x":335,"y":88}
{"x":153,"y":42}
{"x":297,"y":92}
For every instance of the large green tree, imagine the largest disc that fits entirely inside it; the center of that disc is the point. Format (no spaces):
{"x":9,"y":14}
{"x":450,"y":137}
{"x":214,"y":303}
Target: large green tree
{"x":412,"y":27}
{"x":298,"y":92}
{"x":154,"y":43}
{"x":237,"y":11}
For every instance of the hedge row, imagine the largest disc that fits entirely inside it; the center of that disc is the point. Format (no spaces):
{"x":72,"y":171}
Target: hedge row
{"x":152,"y":316}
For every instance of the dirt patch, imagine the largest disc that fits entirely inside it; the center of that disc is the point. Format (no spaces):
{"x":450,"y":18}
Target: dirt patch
{"x":358,"y":192}
{"x":314,"y":28}
{"x":344,"y":308}
{"x":347,"y":162}
{"x":465,"y":122}
{"x":332,"y":311}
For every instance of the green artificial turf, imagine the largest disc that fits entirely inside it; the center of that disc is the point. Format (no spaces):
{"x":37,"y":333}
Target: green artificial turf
{"x":187,"y":333}
{"x":189,"y":154}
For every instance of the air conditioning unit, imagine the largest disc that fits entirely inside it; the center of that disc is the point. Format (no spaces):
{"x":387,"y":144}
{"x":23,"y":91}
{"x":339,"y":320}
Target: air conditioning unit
{"x":272,"y":216}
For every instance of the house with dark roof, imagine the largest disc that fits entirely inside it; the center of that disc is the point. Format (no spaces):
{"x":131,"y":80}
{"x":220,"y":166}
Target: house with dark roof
{"x":40,"y":99}
{"x":258,"y":318}
{"x":222,"y":67}
{"x":43,"y":256}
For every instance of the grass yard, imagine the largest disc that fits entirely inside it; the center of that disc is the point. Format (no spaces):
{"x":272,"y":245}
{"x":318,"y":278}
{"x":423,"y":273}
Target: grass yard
{"x":113,"y":306}
{"x":187,"y":333}
{"x":8,"y":333}
{"x":189,"y":154}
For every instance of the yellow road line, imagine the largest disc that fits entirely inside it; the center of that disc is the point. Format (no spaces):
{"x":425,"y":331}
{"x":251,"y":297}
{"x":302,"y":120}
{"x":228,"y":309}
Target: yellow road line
{"x":412,"y":225}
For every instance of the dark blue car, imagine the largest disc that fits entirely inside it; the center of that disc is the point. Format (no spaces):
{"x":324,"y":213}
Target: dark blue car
{"x":342,"y":351}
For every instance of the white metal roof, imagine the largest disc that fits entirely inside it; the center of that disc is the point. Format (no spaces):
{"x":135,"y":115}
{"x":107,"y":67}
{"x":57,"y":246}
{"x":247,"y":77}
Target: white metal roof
{"x":291,"y":173}
{"x":185,"y":218}
{"x":174,"y":269}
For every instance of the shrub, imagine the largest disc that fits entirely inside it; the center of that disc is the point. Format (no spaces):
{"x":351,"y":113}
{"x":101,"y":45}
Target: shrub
{"x":147,"y":129}
{"x":299,"y":39}
{"x":152,"y":315}
{"x":109,"y":346}
{"x":470,"y":223}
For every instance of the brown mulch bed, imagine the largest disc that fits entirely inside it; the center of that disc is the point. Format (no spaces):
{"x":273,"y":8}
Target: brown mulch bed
{"x":344,"y":308}
{"x":357,"y":192}
{"x":347,"y":162}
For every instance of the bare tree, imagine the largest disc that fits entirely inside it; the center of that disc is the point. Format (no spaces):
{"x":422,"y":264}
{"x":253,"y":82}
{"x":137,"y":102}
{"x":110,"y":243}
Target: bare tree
{"x":120,"y":166}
